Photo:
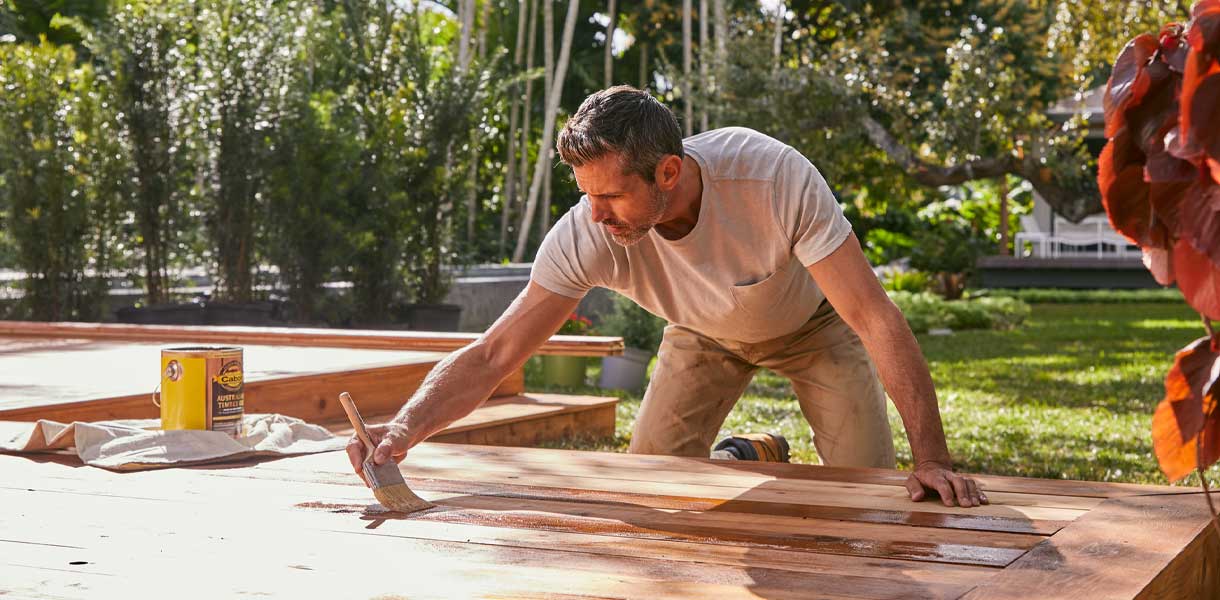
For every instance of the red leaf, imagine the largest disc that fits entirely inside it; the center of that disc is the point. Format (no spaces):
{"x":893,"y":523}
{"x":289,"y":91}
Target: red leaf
{"x":1160,"y":263}
{"x":1129,"y":80}
{"x":1166,"y":200}
{"x":1198,"y":278}
{"x":1205,"y":115}
{"x":1190,"y":391}
{"x":1126,"y":202}
{"x":1157,"y":113}
{"x":1199,"y":221}
{"x":1204,"y":33}
{"x":1173,"y":46}
{"x":1163,"y":167}
{"x":1118,"y":154}
{"x":1199,"y":65}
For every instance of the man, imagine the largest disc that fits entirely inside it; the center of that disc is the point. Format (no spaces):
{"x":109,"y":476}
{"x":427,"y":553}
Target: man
{"x":736,"y":240}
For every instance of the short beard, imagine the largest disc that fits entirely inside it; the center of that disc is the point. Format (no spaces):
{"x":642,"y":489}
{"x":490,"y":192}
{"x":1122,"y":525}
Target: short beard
{"x":658,"y":204}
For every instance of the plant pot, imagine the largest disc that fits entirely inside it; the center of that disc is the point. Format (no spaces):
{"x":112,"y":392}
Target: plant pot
{"x":232,"y":313}
{"x":434,"y":317}
{"x":625,"y":372}
{"x":564,"y":370}
{"x":163,"y":314}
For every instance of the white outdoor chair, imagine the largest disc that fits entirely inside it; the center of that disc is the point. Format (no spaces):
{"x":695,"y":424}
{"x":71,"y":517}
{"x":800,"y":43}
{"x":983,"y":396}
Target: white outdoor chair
{"x":1030,"y":232}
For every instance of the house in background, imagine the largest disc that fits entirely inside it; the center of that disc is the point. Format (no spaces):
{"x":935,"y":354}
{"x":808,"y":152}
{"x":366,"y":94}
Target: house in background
{"x":1051,"y":251}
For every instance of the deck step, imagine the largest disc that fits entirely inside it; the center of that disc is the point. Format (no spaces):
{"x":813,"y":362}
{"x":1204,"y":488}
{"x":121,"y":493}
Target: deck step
{"x":520,"y":420}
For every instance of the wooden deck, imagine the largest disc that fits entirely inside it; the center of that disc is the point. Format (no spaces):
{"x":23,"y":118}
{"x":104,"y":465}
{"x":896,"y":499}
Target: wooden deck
{"x":69,"y":379}
{"x":531,"y":523}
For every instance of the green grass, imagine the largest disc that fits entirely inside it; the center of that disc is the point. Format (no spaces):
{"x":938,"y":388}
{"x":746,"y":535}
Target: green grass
{"x":1069,"y":394}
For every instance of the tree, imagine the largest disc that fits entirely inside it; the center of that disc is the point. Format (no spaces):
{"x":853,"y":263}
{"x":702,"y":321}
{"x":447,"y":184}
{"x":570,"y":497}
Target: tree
{"x":688,"y":107}
{"x":548,"y":130}
{"x":608,"y":61}
{"x":510,"y":161}
{"x":936,"y":94}
{"x":43,"y":121}
{"x":244,"y":63}
{"x":151,"y":85}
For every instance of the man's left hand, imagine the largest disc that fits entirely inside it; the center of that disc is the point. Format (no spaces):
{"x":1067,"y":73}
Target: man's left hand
{"x":941,"y":479}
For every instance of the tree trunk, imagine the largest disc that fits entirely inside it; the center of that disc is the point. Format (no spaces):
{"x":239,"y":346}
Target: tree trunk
{"x":510,"y":178}
{"x":688,"y":106}
{"x":1002,"y":192}
{"x":548,"y":54}
{"x":528,"y":109}
{"x":548,"y":128}
{"x":778,"y":50}
{"x":703,"y":58}
{"x":472,"y":176}
{"x":721,"y":56}
{"x":643,"y":65}
{"x":608,"y":67}
{"x":466,"y":24}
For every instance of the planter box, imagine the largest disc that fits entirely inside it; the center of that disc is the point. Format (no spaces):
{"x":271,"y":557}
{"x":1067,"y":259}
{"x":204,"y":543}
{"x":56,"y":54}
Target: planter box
{"x":434,"y":317}
{"x":626,"y":372}
{"x":564,"y":370}
{"x":163,"y":314}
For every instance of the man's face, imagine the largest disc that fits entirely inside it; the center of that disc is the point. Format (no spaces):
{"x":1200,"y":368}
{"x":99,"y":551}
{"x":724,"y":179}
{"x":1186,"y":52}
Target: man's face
{"x":623,"y":203}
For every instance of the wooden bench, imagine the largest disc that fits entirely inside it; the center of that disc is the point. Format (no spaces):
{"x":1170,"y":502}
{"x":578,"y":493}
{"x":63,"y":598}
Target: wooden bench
{"x":93,"y":372}
{"x":533,"y":523}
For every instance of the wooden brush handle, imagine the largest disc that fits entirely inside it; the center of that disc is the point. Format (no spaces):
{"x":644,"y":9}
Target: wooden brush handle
{"x":353,"y":415}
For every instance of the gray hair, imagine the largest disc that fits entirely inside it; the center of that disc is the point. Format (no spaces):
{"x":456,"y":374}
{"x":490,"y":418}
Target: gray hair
{"x":622,"y":120}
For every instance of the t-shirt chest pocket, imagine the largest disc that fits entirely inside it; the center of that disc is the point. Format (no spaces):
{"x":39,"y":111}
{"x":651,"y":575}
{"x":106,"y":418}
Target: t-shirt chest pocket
{"x":773,"y":293}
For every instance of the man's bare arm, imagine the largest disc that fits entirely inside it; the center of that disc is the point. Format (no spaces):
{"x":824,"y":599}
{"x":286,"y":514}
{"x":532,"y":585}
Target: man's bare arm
{"x":463,"y":380}
{"x":851,"y":287}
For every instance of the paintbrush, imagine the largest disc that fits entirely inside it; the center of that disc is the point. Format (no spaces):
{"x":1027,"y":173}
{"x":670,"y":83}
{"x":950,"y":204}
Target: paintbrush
{"x":386,"y":480}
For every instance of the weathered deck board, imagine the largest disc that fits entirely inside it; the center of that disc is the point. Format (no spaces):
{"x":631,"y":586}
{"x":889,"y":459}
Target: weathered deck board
{"x":423,"y":341}
{"x":568,"y":524}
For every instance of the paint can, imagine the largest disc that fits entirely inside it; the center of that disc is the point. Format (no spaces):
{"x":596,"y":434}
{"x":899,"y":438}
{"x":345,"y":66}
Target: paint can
{"x":202,"y":388}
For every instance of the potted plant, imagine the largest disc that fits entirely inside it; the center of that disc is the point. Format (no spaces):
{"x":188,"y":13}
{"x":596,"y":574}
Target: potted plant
{"x":641,"y":332}
{"x":568,"y":370}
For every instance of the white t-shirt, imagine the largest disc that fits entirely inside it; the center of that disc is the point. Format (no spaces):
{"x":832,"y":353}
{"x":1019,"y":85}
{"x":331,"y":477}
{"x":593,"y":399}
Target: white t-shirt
{"x":739,"y":274}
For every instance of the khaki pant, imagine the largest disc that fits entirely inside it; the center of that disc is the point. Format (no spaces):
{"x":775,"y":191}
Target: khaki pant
{"x":698,"y":379}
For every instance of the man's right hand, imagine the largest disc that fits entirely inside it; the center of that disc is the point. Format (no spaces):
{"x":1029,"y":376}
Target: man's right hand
{"x":389,"y":439}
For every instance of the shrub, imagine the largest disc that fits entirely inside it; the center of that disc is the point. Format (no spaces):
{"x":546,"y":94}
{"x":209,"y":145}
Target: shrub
{"x":907,"y":281}
{"x":639,"y":328}
{"x":1060,"y":296}
{"x":925,"y":311}
{"x":577,"y":325}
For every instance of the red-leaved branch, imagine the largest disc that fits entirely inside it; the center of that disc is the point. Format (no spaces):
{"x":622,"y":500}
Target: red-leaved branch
{"x":1159,"y":177}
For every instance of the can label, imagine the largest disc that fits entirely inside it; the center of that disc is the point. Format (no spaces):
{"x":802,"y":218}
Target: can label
{"x":228,"y":398}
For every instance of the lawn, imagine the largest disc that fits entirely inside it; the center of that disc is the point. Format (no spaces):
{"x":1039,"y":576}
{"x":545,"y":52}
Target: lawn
{"x":1069,"y":394}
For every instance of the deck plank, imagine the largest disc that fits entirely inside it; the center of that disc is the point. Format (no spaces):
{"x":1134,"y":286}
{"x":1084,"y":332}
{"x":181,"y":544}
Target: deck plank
{"x":423,"y":341}
{"x":565,"y":525}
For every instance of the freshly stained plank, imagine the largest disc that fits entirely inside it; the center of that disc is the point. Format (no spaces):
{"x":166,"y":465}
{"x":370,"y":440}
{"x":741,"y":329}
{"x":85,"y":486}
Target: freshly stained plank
{"x":717,"y":479}
{"x":428,"y":341}
{"x":1025,"y":485}
{"x":1133,"y":547}
{"x":808,"y":485}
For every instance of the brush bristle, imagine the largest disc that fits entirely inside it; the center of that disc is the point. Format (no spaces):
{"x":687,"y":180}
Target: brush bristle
{"x":398,"y":497}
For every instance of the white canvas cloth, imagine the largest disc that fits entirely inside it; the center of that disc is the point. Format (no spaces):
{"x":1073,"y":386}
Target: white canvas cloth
{"x":135,"y":444}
